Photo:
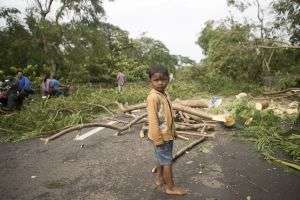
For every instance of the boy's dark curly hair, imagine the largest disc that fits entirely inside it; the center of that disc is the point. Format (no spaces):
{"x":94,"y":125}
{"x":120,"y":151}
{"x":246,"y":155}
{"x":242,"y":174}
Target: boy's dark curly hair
{"x":158,"y":69}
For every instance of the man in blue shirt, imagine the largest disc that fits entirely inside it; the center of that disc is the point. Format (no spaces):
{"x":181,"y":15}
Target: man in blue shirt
{"x":24,"y":89}
{"x":24,"y":84}
{"x":55,"y":89}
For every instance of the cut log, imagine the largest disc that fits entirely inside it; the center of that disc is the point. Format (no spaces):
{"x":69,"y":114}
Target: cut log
{"x":261,"y":105}
{"x":198,"y":119}
{"x":191,"y":111}
{"x":194,"y":127}
{"x":241,"y":95}
{"x":196,"y":103}
{"x":228,"y":120}
{"x":183,"y":138}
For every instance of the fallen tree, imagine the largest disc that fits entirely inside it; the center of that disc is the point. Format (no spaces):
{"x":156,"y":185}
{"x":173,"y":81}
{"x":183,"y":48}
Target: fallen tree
{"x":90,"y":125}
{"x":178,"y":105}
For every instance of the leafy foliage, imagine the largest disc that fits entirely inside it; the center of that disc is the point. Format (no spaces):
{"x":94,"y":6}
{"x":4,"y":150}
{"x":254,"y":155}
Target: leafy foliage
{"x":79,"y":49}
{"x":265,"y":128}
{"x":232,"y":52}
{"x":226,"y":54}
{"x":288,"y":15}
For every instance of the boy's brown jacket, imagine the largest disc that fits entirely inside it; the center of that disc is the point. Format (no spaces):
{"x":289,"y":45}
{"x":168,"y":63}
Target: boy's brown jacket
{"x":160,"y":117}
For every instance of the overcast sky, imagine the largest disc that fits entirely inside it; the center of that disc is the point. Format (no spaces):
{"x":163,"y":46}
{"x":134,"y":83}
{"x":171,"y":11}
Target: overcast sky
{"x":176,"y":23}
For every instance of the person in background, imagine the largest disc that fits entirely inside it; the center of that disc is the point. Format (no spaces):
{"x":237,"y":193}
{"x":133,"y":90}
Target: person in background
{"x":24,"y":89}
{"x":45,"y":85}
{"x":9,"y":93}
{"x":120,"y":81}
{"x":24,"y":85}
{"x":55,"y":87}
{"x":3,"y":95}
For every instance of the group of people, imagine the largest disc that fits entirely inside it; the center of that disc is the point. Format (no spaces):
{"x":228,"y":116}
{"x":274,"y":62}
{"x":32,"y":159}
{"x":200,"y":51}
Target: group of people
{"x":51,"y":86}
{"x":14,"y":90}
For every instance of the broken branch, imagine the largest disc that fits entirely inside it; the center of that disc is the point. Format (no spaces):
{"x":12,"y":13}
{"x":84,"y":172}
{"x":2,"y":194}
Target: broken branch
{"x":183,"y":138}
{"x":196,"y":134}
{"x":90,"y":125}
{"x":188,"y":147}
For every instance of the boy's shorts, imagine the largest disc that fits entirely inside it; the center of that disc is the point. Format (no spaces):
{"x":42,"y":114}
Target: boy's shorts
{"x":163,"y":153}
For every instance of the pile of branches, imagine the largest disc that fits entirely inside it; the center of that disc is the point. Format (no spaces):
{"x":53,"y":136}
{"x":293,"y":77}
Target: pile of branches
{"x":193,"y":123}
{"x":191,"y":119}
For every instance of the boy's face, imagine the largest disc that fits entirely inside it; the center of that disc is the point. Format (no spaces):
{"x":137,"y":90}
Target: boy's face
{"x":159,"y":82}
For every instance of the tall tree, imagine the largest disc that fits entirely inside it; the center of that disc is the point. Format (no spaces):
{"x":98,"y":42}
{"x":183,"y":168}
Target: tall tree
{"x":15,"y":41}
{"x":288,"y":17}
{"x":82,"y":10}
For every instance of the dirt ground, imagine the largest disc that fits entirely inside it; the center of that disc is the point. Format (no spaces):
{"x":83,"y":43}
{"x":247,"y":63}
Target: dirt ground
{"x":109,"y":167}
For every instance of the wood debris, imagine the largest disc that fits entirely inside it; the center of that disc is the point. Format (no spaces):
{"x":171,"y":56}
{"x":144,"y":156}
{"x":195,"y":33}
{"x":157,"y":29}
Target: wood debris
{"x":192,"y":121}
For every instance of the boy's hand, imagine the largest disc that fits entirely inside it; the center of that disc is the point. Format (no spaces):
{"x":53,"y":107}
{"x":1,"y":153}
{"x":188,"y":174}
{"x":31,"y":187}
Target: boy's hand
{"x":175,"y":135}
{"x":158,"y":143}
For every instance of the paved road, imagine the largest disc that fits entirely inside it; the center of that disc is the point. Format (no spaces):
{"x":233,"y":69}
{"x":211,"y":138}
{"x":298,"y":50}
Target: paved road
{"x":108,"y":167}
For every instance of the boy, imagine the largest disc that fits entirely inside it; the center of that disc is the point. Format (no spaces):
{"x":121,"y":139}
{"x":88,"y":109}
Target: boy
{"x":162,"y":128}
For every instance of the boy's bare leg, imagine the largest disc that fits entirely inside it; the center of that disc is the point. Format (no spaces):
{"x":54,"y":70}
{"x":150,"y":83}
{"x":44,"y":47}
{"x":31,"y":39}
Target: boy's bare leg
{"x":170,"y":188}
{"x":158,"y":176}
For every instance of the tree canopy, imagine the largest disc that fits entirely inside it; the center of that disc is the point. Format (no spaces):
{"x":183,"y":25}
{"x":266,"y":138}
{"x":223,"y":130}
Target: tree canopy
{"x":253,"y":50}
{"x":74,"y":41}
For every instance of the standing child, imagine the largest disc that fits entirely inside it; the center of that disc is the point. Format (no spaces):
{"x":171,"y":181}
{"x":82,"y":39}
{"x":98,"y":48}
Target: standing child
{"x":162,"y":128}
{"x":120,"y":81}
{"x":46,"y":85}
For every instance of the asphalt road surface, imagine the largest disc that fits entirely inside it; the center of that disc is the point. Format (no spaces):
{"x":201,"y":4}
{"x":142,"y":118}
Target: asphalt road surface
{"x":107,"y":167}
